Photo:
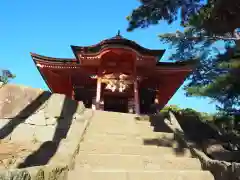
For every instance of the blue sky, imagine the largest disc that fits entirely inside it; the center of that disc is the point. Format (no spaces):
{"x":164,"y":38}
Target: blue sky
{"x":49,"y":27}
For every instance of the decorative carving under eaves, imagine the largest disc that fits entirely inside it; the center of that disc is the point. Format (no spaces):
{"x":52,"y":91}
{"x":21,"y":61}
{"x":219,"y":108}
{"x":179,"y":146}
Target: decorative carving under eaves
{"x":119,"y":82}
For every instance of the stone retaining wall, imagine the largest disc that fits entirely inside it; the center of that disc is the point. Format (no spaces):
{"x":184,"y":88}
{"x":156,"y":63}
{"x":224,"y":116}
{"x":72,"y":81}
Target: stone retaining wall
{"x":36,"y":173}
{"x":40,"y":133}
{"x":221,"y":170}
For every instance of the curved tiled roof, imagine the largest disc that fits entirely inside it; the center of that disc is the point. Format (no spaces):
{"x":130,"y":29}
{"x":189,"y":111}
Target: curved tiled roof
{"x":119,"y":41}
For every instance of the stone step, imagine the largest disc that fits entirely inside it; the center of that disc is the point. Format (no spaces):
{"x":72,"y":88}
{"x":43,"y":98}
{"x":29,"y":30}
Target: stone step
{"x":109,"y":174}
{"x":118,"y":117}
{"x":107,"y":148}
{"x":163,"y":140}
{"x":134,"y":129}
{"x":111,"y":132}
{"x":112,"y":122}
{"x":114,"y":115}
{"x":118,"y":136}
{"x":136,"y":162}
{"x":121,"y":124}
{"x":143,"y":123}
{"x":128,"y":130}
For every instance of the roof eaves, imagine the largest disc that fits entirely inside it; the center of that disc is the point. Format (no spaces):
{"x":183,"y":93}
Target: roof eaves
{"x":45,"y":80}
{"x":51,"y":59}
{"x":190,"y":64}
{"x":75,"y":49}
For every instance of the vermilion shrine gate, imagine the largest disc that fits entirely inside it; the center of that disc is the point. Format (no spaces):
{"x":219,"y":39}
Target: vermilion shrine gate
{"x":114,"y":75}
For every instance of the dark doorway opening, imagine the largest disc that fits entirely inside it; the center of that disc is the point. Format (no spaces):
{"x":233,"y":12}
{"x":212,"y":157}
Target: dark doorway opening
{"x":85,"y":95}
{"x":146,"y":97}
{"x":115,"y":103}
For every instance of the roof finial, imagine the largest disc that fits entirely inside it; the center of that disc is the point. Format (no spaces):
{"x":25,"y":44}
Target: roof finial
{"x":118,"y":33}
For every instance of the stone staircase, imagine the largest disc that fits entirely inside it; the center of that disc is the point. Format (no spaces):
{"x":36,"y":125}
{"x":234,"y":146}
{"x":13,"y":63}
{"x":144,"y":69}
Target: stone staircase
{"x":117,"y":146}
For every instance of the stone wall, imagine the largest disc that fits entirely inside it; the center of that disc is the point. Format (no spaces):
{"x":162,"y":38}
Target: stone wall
{"x":40,"y":133}
{"x":36,"y":173}
{"x":20,"y":101}
{"x":221,"y":170}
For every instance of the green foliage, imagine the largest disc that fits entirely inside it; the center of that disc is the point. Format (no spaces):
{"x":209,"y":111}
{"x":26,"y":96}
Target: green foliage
{"x":206,"y":23}
{"x":5,"y":76}
{"x":173,"y":108}
{"x":220,"y":119}
{"x":216,"y":75}
{"x":221,"y":82}
{"x":214,"y":16}
{"x":206,"y":117}
{"x":188,"y":112}
{"x":227,"y":124}
{"x":152,"y":11}
{"x":217,"y":16}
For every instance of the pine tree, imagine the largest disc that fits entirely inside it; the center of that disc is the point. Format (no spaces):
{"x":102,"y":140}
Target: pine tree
{"x":217,"y":74}
{"x":214,"y":16}
{"x":206,"y":23}
{"x":223,"y":82}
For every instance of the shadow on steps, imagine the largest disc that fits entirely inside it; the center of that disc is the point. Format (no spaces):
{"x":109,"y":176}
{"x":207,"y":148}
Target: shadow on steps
{"x":176,"y":144}
{"x":157,"y":122}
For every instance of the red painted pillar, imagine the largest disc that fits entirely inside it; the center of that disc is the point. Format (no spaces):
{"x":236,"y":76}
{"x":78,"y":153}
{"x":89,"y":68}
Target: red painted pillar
{"x":71,"y":87}
{"x":73,"y":94}
{"x":136,"y":97}
{"x":98,"y":95}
